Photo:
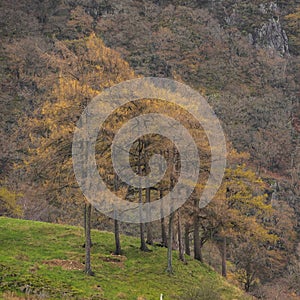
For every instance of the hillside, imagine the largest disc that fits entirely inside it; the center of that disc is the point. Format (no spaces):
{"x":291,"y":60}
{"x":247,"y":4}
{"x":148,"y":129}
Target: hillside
{"x":46,"y":260}
{"x":243,"y":56}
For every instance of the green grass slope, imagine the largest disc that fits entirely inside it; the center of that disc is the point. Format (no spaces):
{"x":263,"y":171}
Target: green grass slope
{"x":45,"y":261}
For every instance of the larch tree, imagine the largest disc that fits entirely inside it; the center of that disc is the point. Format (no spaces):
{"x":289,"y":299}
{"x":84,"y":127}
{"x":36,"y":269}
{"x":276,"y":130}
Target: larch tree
{"x":240,"y":210}
{"x":85,"y":67}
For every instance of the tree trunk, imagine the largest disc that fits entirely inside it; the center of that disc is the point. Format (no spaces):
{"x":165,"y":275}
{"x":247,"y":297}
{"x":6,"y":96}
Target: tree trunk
{"x":88,"y":268}
{"x":180,"y":245}
{"x":187,"y":239}
{"x":223,"y":254}
{"x":142,"y":226}
{"x":142,"y":235}
{"x":149,"y":225}
{"x":85,"y":223}
{"x":170,"y":241}
{"x":164,"y":241}
{"x":197,"y":241}
{"x":118,"y":250}
{"x":149,"y":240}
{"x":84,"y":219}
{"x":171,"y":217}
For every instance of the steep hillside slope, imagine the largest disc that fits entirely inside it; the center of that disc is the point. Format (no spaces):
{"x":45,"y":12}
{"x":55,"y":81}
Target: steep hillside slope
{"x":45,"y":261}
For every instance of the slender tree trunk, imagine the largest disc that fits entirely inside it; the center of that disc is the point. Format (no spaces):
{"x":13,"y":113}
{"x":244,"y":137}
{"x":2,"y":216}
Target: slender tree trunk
{"x":143,"y":246}
{"x":85,"y":223}
{"x":88,"y":268}
{"x":149,"y":240}
{"x":175,"y":237}
{"x":149,"y":225}
{"x":87,"y":217}
{"x":84,"y":220}
{"x":142,"y":225}
{"x":142,"y":235}
{"x":197,"y":241}
{"x":187,"y":239}
{"x":118,"y":250}
{"x":180,"y":245}
{"x":170,"y":242}
{"x":224,"y":254}
{"x":164,"y":241}
{"x":171,"y":218}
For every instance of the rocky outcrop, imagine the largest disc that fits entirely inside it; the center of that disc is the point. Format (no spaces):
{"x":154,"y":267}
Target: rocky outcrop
{"x":271,"y":35}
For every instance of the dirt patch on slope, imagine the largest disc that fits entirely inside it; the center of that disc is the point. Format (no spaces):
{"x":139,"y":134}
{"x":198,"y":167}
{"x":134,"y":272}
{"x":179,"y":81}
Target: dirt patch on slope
{"x":64,"y":264}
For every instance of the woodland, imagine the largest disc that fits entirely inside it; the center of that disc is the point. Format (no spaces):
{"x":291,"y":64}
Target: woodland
{"x":242,"y":56}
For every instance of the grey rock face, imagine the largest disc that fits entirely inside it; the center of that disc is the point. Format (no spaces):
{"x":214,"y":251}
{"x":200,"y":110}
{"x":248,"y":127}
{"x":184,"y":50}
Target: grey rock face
{"x":271,"y":35}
